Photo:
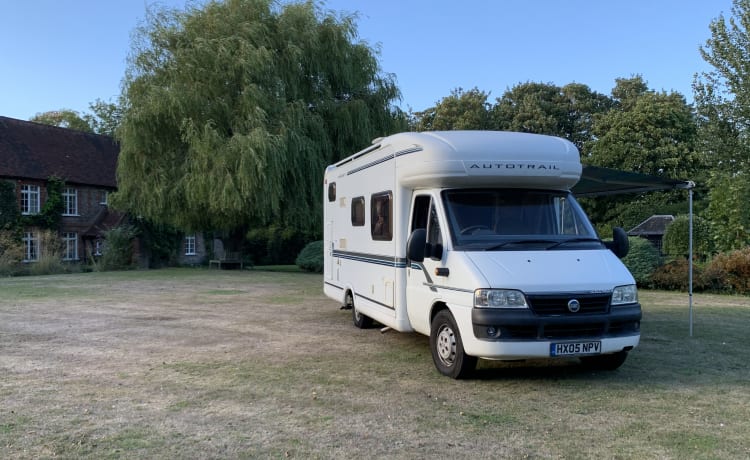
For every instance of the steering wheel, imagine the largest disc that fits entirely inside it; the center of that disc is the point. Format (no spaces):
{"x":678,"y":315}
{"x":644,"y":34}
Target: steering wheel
{"x":472,"y":229}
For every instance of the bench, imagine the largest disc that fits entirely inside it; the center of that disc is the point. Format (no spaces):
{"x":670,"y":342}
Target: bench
{"x":229,"y":258}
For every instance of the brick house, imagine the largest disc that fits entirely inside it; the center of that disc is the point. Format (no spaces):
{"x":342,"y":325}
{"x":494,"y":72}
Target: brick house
{"x":31,"y":153}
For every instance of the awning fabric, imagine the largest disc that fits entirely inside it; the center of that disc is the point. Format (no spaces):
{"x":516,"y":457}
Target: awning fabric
{"x":596,"y":181}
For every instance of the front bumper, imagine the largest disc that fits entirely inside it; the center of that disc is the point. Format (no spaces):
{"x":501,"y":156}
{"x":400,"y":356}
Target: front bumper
{"x":524,"y":325}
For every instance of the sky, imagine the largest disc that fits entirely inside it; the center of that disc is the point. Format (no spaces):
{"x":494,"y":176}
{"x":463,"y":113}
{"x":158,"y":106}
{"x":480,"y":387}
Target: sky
{"x":66,"y":54}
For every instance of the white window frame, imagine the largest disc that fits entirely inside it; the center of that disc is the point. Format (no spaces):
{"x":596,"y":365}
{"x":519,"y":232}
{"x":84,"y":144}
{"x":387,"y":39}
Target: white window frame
{"x":30,"y":247}
{"x":70,"y":242}
{"x":30,"y":199}
{"x":190,"y":245}
{"x":104,"y":197}
{"x":70,"y":201}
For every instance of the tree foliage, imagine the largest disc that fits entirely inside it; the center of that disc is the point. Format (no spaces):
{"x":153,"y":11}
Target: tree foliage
{"x":676,"y":241}
{"x":105,"y":117}
{"x":723,"y":105}
{"x":63,"y":118}
{"x":9,"y":212}
{"x":544,"y":108}
{"x":645,"y":132}
{"x":234,"y":110}
{"x":461,"y":110}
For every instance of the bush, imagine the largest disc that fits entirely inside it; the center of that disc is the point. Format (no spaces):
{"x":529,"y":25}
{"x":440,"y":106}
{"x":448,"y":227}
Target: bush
{"x":274,"y":245}
{"x":677,"y":237}
{"x":49,"y":260}
{"x":734,"y":268}
{"x":672,"y":276}
{"x":642,"y":259}
{"x":311,"y":257}
{"x":118,"y":249}
{"x":11,"y":253}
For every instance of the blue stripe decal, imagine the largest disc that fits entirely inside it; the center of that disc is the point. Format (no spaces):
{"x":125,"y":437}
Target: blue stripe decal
{"x":395,"y":262}
{"x":385,"y":158}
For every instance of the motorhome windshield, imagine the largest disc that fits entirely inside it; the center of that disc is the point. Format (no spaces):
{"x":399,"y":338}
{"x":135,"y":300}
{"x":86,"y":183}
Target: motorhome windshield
{"x":517,"y":219}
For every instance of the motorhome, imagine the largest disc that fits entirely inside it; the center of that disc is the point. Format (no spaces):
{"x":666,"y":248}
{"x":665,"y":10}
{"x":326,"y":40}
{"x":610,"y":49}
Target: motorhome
{"x":475,"y":239}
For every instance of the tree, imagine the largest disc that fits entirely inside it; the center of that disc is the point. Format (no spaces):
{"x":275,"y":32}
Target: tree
{"x":461,"y":110}
{"x":63,"y":118}
{"x":233,"y":111}
{"x":544,"y":108}
{"x":646,"y":132}
{"x":723,"y":105}
{"x":104,"y":118}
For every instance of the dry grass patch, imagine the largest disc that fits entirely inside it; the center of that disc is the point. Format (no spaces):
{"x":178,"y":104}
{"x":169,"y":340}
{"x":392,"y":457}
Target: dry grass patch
{"x":247,"y":364}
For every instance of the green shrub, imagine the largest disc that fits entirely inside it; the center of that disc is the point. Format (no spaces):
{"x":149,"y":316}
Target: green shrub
{"x":311,"y":257}
{"x":677,"y":237}
{"x":118,"y":249}
{"x":642,"y":259}
{"x":274,"y":245}
{"x":11,"y":252}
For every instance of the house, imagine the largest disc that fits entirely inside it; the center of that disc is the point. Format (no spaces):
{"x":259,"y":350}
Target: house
{"x":32,"y":153}
{"x":653,"y":229}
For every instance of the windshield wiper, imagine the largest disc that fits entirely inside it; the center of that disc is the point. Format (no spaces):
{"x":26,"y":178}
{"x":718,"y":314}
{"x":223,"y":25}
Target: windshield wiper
{"x":501,"y":245}
{"x":574,"y":240}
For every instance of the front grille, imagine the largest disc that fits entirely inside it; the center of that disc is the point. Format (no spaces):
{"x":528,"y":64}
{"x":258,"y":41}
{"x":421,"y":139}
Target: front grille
{"x":556,"y":304}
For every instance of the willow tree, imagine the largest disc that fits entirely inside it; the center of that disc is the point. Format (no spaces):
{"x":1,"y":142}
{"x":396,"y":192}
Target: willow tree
{"x":233,"y":110}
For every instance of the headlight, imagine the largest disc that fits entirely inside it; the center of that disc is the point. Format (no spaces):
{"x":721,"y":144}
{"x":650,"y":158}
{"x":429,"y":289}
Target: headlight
{"x":499,"y":298}
{"x":622,"y":295}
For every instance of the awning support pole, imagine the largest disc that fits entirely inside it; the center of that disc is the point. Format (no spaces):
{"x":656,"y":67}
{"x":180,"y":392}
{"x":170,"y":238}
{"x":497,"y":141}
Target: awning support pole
{"x":690,"y":257}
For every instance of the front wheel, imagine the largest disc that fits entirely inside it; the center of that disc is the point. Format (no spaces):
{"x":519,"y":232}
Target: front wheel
{"x":361,"y":321}
{"x":608,"y":362}
{"x":448,"y":349}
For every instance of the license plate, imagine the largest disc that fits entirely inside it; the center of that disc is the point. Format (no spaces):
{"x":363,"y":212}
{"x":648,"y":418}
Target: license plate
{"x":575,"y":348}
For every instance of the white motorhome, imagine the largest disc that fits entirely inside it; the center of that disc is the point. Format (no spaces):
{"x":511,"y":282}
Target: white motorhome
{"x":474,"y":238}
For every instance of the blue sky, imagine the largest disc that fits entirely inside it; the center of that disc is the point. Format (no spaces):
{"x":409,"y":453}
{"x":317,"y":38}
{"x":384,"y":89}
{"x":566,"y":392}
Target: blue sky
{"x":57,"y":54}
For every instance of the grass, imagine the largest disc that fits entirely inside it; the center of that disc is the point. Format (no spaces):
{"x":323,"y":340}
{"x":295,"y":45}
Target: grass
{"x":260,"y":364}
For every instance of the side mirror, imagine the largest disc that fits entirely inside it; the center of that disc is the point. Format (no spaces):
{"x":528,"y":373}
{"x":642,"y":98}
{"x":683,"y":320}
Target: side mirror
{"x":415,"y":245}
{"x":436,"y":251}
{"x":619,"y":244}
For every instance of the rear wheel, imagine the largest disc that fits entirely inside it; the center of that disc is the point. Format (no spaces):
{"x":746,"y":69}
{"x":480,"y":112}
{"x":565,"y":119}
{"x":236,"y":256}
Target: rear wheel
{"x":604,"y":362}
{"x":361,"y":321}
{"x":448,"y":349}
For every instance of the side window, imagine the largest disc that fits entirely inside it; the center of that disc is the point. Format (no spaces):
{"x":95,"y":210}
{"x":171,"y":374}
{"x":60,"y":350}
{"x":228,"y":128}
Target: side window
{"x":568,"y":223}
{"x":420,"y":213}
{"x":381,"y":210}
{"x":358,"y":211}
{"x":332,"y":191}
{"x":433,"y":229}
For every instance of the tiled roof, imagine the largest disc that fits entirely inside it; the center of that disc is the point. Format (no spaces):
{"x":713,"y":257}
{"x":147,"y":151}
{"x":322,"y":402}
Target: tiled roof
{"x":36,"y":151}
{"x":654,"y":225}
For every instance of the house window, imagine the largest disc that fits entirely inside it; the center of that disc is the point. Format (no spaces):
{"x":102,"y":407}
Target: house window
{"x":70,"y":201}
{"x":190,"y":245}
{"x":70,"y":246}
{"x":31,"y":247}
{"x":103,"y":197}
{"x":98,"y":247}
{"x":30,"y":199}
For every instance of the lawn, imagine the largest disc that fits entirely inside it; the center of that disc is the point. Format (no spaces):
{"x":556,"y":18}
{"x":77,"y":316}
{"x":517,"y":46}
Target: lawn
{"x":192,"y":363}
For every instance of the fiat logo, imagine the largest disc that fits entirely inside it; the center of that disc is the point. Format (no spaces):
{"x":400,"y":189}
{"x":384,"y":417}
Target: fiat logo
{"x":574,"y":305}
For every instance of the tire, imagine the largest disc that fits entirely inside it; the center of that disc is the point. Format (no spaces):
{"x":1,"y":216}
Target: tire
{"x":448,"y":349}
{"x":360,"y":321}
{"x":604,"y":362}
